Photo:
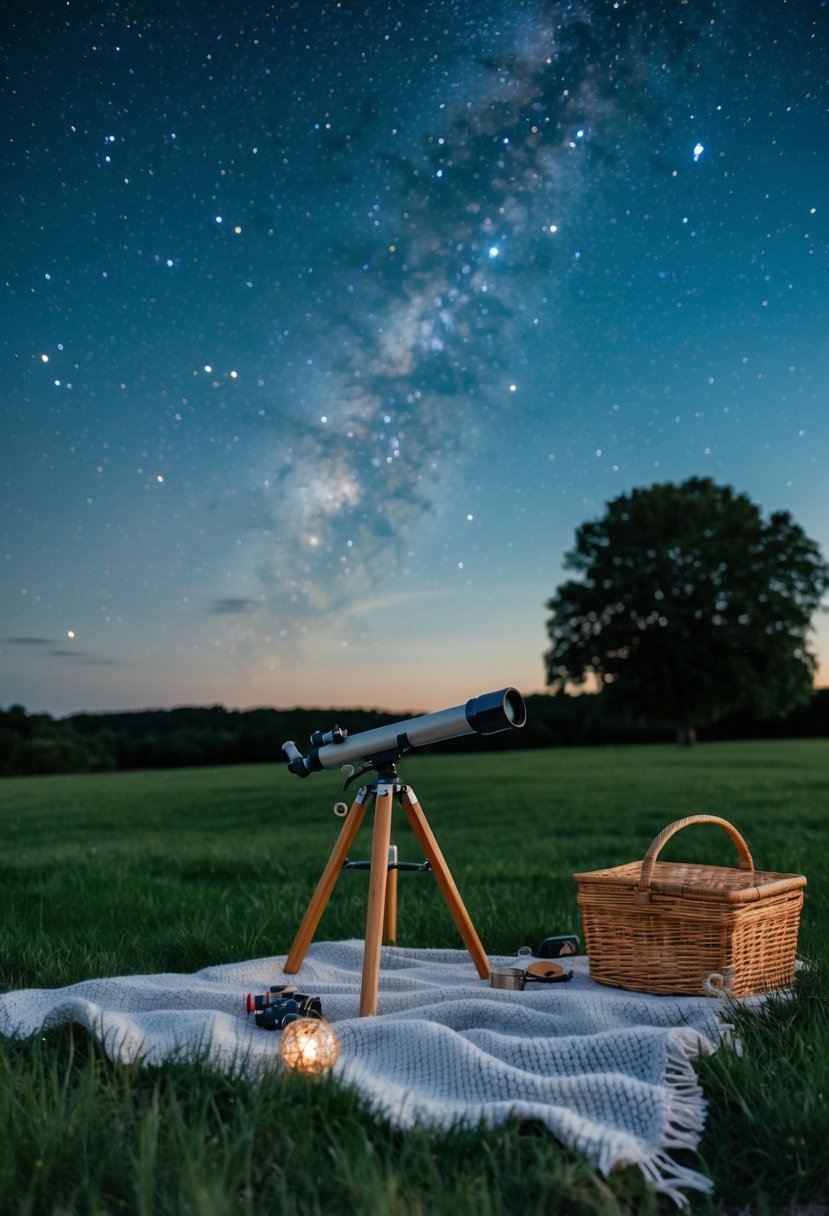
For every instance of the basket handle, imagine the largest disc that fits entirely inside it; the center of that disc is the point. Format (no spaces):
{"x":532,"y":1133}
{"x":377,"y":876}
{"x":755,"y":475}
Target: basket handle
{"x":744,"y":858}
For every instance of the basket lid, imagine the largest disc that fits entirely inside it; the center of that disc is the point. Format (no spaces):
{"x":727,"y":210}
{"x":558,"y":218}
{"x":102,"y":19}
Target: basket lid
{"x":719,"y":884}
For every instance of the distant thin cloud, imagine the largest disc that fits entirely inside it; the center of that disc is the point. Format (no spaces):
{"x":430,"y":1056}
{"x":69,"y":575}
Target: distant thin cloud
{"x":83,"y":658}
{"x":80,"y":657}
{"x":232,"y":606}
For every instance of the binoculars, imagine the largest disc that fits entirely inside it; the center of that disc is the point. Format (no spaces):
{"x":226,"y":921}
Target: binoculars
{"x":281,"y":1005}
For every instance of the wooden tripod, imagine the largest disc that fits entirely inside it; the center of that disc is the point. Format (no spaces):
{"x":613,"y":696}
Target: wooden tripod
{"x":382,"y":891}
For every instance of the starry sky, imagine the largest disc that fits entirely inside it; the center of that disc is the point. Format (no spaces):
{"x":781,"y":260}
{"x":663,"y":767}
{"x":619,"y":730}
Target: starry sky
{"x":326,"y":324}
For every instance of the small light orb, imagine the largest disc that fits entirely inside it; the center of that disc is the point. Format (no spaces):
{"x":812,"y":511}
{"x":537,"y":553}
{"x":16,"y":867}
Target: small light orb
{"x":309,"y":1046}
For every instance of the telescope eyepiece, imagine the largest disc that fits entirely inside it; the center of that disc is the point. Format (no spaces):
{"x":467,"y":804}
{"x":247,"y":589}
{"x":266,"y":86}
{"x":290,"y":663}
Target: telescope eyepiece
{"x":337,"y":734}
{"x":297,"y":763}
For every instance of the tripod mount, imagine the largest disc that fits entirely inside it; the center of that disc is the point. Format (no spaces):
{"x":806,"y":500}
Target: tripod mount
{"x":381,"y":914}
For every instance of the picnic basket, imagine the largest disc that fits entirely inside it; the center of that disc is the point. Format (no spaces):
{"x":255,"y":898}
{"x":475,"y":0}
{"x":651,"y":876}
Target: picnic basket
{"x":668,"y":927}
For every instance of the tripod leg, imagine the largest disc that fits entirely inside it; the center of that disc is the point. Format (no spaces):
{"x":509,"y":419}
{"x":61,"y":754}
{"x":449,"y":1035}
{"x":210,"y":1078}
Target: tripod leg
{"x":445,"y":881}
{"x":390,"y":912}
{"x":325,"y":886}
{"x":378,"y":882}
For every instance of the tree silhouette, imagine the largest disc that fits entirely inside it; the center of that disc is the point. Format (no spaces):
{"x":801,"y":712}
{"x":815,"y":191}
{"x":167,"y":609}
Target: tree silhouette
{"x":689,"y":606}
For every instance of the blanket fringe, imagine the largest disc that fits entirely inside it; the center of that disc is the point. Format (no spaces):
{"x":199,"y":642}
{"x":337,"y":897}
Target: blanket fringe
{"x":668,"y":1176}
{"x":684,"y":1126}
{"x":686,"y":1121}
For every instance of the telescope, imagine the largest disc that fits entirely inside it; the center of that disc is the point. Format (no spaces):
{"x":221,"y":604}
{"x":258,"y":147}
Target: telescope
{"x":488,"y":714}
{"x":380,"y":749}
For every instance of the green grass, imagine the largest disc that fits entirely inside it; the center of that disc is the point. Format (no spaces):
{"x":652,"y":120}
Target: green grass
{"x":171,"y":871}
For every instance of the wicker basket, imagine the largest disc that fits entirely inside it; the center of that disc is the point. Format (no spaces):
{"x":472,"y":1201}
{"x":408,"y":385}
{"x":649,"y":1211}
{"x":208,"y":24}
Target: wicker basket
{"x":666,"y":927}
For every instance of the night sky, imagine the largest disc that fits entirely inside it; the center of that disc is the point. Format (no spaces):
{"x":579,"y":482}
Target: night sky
{"x":326,"y":324}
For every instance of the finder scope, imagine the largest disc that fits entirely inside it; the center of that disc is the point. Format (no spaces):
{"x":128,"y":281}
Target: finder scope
{"x":485,"y":715}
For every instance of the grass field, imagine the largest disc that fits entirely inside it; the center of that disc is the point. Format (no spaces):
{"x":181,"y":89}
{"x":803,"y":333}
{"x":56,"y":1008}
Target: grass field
{"x":171,"y":871}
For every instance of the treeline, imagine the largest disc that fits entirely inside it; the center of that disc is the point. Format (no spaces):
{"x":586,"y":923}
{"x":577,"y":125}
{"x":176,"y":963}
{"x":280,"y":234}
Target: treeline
{"x":191,"y":737}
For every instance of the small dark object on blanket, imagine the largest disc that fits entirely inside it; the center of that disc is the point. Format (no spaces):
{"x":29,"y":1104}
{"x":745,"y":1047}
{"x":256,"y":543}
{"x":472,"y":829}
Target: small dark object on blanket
{"x":557,"y":947}
{"x":282,"y":1005}
{"x":278,"y":1016}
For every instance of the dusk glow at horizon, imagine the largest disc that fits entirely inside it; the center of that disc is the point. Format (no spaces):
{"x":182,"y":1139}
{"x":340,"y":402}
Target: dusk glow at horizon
{"x":326,"y":327}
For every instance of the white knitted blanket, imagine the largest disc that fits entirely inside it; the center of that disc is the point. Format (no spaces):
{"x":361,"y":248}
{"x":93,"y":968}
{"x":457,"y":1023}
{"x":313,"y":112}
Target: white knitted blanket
{"x":608,"y":1071}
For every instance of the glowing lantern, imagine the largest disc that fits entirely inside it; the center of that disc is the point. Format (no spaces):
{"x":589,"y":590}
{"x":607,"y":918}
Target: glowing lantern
{"x":309,"y":1046}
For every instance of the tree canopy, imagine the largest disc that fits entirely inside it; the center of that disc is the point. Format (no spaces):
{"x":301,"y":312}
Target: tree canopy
{"x":689,"y":606}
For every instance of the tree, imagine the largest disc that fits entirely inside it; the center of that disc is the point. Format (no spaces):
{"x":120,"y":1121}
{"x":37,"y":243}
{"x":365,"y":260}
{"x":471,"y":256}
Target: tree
{"x":689,"y":606}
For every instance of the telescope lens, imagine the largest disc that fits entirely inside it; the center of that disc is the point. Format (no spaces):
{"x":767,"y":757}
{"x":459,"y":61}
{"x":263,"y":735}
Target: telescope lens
{"x":514,"y":707}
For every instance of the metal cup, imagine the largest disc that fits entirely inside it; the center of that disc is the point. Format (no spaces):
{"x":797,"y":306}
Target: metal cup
{"x":511,"y":978}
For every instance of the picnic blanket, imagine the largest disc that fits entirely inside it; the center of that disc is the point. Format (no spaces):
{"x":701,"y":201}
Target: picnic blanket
{"x":609,"y":1072}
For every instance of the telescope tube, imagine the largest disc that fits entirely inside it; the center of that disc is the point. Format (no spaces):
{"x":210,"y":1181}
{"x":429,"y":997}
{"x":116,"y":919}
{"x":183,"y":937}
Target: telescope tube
{"x":488,"y":714}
